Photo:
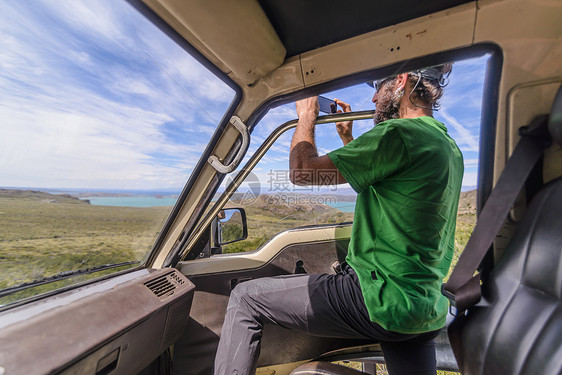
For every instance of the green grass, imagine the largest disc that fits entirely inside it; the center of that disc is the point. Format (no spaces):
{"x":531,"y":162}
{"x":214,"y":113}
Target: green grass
{"x":42,"y":236}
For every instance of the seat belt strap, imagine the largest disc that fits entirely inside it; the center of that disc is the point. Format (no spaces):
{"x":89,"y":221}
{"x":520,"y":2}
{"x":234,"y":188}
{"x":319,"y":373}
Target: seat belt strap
{"x":463,"y":287}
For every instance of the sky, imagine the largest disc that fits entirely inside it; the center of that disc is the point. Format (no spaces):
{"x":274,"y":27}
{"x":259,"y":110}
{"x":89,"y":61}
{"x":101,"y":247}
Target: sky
{"x":93,"y":96}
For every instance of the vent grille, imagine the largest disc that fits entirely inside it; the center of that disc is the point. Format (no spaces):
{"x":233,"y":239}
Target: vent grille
{"x":178,"y":279}
{"x":162,"y":286}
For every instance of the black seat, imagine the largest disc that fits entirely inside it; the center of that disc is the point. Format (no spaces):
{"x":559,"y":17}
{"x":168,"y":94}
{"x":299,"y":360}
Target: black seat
{"x":517,"y":327}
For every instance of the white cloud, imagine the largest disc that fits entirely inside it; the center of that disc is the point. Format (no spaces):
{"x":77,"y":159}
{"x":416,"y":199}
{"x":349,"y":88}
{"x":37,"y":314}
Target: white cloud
{"x":470,"y":163}
{"x":79,"y":109}
{"x":466,"y":139}
{"x":470,"y":179}
{"x":77,"y":147}
{"x":96,"y":18}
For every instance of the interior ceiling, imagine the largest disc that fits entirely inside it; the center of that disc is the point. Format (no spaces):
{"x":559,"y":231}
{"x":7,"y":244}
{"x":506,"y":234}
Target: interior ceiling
{"x":309,"y":24}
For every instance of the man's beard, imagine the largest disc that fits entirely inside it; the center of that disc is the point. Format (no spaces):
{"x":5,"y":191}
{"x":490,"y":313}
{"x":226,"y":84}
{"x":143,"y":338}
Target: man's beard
{"x":388,"y":106}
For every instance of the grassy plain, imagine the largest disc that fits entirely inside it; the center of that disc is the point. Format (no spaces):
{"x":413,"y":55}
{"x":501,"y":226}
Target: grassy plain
{"x":43,"y":234}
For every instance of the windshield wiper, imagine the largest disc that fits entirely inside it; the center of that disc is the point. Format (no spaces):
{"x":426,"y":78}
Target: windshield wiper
{"x":61,"y":276}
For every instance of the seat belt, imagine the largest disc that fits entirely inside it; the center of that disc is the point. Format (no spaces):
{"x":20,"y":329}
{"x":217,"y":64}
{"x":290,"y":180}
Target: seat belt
{"x":463,"y":287}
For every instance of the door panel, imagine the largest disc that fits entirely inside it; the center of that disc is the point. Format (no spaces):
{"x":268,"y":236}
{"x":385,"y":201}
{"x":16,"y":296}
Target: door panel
{"x":194,"y":352}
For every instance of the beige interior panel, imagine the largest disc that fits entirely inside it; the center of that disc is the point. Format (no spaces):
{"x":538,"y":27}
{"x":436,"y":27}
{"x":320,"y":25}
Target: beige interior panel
{"x":283,"y":80}
{"x":237,"y":33}
{"x":376,"y":49}
{"x":530,"y":42}
{"x":538,"y":96}
{"x":258,"y":258}
{"x":383,"y":47}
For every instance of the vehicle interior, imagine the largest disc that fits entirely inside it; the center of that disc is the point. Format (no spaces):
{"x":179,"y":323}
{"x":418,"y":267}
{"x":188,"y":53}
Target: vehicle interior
{"x":164,"y":314}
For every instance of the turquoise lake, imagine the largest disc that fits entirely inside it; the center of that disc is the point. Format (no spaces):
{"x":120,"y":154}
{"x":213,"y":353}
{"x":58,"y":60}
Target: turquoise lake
{"x":344,"y":206}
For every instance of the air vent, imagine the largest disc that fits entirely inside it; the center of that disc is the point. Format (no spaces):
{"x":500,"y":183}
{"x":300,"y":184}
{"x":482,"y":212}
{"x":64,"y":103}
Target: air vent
{"x":178,"y":279}
{"x":162,"y":286}
{"x":166,"y":285}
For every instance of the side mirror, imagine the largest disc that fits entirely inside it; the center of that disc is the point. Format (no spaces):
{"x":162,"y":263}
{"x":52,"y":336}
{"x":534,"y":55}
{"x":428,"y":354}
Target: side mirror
{"x":230,"y":226}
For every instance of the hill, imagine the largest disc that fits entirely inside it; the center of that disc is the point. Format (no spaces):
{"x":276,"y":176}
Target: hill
{"x":35,"y":195}
{"x":467,"y":202}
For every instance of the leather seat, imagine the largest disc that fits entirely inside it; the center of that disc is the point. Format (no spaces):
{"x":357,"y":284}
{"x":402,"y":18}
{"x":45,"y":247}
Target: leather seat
{"x":517,"y":327}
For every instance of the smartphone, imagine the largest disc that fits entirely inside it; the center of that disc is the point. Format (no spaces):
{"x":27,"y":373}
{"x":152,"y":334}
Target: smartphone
{"x":327,"y":105}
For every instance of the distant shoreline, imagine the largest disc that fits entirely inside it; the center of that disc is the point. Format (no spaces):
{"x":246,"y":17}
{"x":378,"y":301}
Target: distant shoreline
{"x":343,"y":202}
{"x":84,"y":192}
{"x":120,"y":195}
{"x":132,"y":201}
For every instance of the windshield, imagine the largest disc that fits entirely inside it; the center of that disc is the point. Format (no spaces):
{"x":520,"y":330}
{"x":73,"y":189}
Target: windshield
{"x":103,"y":118}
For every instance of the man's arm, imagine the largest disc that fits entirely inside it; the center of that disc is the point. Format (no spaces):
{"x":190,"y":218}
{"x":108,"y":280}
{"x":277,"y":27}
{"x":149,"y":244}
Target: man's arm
{"x":306,"y":167}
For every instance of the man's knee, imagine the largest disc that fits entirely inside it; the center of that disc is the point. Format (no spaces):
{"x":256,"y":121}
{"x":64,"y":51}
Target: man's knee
{"x":240,"y":291}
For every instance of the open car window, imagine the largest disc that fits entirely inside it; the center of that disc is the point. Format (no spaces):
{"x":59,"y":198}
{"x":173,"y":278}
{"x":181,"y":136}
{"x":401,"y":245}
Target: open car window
{"x":273,"y":204}
{"x":103,"y":117}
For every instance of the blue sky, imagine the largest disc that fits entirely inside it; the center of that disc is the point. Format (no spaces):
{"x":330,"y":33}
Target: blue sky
{"x":94,"y":96}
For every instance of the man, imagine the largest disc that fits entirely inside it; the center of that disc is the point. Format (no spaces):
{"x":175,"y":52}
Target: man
{"x":407,"y":172}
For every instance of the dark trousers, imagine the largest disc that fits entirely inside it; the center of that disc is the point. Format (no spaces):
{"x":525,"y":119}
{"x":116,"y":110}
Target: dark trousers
{"x":322,"y":305}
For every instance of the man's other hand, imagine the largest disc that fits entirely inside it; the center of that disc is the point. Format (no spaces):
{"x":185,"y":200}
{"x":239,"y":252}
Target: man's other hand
{"x":344,"y":128}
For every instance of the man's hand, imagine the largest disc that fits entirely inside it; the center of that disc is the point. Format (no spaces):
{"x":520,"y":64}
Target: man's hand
{"x":344,"y":128}
{"x":307,"y":110}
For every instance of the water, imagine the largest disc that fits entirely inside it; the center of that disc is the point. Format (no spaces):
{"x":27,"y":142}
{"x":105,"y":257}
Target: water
{"x":343,"y":206}
{"x":135,"y":201}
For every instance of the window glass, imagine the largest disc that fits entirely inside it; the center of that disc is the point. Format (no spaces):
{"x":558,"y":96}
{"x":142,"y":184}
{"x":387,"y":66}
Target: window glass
{"x":103,"y":117}
{"x":274,"y":204}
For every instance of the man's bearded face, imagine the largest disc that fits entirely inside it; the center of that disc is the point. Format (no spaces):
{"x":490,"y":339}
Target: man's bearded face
{"x":388,"y":104}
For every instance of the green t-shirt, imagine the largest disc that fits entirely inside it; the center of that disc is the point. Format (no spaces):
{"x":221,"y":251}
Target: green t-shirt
{"x":408,"y":174}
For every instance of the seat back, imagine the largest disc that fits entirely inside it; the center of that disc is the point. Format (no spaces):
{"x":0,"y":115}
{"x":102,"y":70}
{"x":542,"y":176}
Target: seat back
{"x":517,"y":327}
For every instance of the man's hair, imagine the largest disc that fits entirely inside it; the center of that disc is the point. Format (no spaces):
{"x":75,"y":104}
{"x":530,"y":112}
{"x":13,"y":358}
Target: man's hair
{"x":428,"y":83}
